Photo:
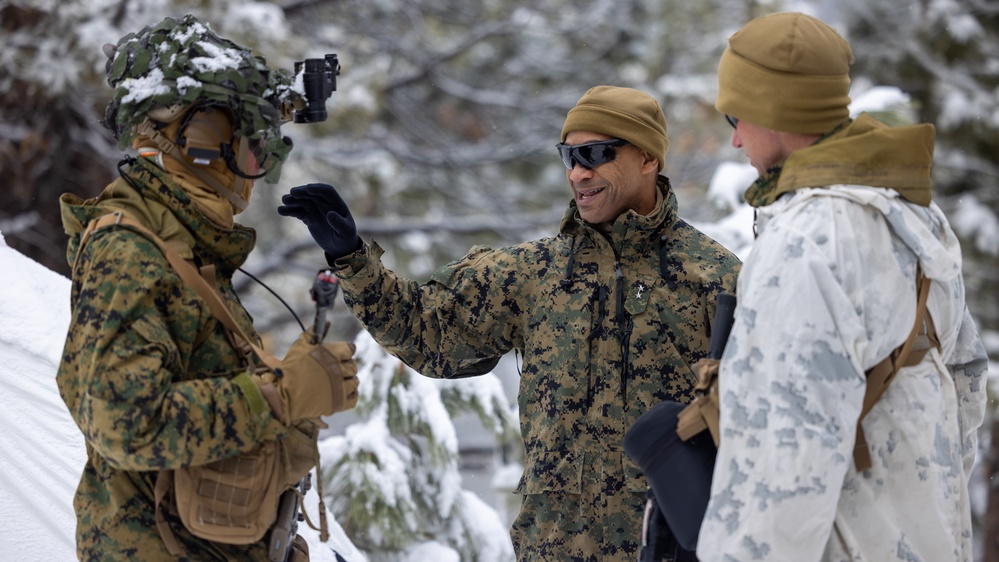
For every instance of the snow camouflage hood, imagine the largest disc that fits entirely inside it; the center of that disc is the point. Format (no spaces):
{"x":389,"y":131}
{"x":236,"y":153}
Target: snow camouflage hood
{"x":861,"y":154}
{"x":180,"y":62}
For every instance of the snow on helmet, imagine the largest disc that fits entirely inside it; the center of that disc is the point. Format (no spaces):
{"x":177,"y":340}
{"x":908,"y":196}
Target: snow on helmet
{"x":182,"y":62}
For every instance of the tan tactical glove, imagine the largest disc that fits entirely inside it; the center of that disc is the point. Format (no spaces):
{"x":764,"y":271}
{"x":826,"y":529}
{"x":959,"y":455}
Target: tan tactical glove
{"x":313,"y":381}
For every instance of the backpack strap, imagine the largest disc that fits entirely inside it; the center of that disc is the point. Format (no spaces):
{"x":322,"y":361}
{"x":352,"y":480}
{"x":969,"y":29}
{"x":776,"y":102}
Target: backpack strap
{"x":164,"y":481}
{"x":922,"y":337}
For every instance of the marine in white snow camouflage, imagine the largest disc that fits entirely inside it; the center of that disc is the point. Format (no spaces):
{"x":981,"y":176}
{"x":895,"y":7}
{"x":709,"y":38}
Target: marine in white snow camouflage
{"x":827,"y":292}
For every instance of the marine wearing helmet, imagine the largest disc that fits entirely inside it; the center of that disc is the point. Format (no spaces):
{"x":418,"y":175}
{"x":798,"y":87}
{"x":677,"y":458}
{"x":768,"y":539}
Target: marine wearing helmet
{"x":211,"y":105}
{"x":192,"y":439}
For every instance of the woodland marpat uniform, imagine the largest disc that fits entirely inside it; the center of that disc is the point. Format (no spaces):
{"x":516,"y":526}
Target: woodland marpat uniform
{"x":607,"y":324}
{"x":147,"y":372}
{"x":172,"y":414}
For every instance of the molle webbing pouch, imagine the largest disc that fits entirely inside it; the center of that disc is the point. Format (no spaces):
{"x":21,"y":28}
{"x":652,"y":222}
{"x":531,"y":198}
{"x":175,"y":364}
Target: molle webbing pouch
{"x":235,"y":500}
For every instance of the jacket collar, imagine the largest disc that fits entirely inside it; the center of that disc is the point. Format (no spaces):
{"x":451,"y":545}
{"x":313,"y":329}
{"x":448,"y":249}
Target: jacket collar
{"x":630,"y":223}
{"x":147,"y":193}
{"x":861,"y":151}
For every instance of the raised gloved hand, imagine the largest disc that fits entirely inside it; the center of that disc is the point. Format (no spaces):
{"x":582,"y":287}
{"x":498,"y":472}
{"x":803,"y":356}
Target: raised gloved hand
{"x":322,"y":209}
{"x":313,"y":381}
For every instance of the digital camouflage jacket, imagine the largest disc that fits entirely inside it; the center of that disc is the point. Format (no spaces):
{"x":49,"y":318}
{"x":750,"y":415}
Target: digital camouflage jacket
{"x":607,"y":323}
{"x":147,"y":372}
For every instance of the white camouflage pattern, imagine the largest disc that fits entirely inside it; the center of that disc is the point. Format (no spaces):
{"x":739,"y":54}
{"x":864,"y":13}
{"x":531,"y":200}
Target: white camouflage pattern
{"x":827,"y":292}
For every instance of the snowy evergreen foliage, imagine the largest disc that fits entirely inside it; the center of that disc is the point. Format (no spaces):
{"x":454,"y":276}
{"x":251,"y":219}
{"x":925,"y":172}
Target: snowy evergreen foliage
{"x":392,"y":479}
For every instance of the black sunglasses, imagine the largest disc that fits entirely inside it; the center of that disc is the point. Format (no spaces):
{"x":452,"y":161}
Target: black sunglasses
{"x":589,"y":155}
{"x":734,"y":121}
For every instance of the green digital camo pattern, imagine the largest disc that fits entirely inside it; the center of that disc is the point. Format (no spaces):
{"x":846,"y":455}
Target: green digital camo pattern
{"x":146,"y":371}
{"x":591,"y":366}
{"x":180,"y":61}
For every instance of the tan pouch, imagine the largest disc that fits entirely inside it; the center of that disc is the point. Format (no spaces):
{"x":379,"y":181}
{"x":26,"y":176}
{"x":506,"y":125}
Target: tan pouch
{"x":235,"y":500}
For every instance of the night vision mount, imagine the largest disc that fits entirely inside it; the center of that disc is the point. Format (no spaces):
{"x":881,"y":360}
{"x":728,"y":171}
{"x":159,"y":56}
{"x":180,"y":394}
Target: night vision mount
{"x":319,"y":83}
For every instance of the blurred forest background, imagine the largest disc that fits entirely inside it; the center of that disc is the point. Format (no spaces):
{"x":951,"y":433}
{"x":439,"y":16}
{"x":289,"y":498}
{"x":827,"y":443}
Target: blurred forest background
{"x":440,"y":135}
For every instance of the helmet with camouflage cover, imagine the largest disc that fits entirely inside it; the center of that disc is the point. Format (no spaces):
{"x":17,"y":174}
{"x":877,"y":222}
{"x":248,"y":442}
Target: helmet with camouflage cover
{"x":182,"y":63}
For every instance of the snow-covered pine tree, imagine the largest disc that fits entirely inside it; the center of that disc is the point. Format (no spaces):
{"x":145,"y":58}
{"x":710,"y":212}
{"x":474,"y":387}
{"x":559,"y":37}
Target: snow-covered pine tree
{"x":392,"y":479}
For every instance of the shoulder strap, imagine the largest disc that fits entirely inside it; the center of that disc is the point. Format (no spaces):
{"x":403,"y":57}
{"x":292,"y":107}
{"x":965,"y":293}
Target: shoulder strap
{"x":188,"y":273}
{"x":164,"y":481}
{"x":921,"y":338}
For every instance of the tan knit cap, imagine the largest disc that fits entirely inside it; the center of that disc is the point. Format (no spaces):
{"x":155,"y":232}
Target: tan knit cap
{"x":787,"y":72}
{"x":623,"y":113}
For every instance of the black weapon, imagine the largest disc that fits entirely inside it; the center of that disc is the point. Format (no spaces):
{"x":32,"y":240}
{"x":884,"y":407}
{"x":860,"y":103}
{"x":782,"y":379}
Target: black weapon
{"x":285,"y":527}
{"x":324,"y":291}
{"x":724,"y":318}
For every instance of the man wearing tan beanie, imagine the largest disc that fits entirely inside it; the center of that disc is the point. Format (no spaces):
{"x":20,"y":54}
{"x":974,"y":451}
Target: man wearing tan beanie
{"x":607,"y":316}
{"x":820,"y":457}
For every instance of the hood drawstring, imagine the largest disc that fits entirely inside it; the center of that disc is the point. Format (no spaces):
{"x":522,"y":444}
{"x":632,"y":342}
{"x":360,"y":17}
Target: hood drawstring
{"x":661,"y":249}
{"x":566,"y":281}
{"x":625,"y":323}
{"x":595,"y":330}
{"x":601,"y":313}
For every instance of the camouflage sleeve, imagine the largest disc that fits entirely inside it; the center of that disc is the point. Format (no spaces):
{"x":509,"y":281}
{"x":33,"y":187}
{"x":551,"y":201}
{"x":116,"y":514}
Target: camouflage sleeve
{"x":468,"y":311}
{"x":968,"y":366}
{"x":126,"y":376}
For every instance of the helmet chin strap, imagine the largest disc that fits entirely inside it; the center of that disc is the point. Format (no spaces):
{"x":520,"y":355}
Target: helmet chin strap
{"x":147,"y":128}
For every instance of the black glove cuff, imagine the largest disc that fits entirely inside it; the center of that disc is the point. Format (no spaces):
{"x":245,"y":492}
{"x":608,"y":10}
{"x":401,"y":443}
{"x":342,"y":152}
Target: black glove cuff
{"x":331,"y":259}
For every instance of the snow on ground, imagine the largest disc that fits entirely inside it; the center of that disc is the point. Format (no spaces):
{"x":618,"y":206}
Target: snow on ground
{"x":41,"y":450}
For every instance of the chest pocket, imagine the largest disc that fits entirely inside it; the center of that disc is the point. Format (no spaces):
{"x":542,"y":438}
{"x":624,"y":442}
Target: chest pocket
{"x":552,"y":471}
{"x":637,"y":296}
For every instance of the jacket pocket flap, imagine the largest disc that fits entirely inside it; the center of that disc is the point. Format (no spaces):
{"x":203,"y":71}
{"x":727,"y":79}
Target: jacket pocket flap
{"x":634,"y":479}
{"x":552,"y":471}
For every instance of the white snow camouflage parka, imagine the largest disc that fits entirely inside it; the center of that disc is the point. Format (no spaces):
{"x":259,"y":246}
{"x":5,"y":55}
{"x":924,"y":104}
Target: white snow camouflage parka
{"x":828,"y":290}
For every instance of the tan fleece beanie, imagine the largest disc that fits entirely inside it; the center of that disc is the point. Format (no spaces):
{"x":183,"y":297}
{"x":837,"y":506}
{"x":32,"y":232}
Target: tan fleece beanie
{"x":622,"y":113}
{"x":786,"y":72}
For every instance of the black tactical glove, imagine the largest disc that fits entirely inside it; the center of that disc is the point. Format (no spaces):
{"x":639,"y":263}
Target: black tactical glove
{"x":322,"y":209}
